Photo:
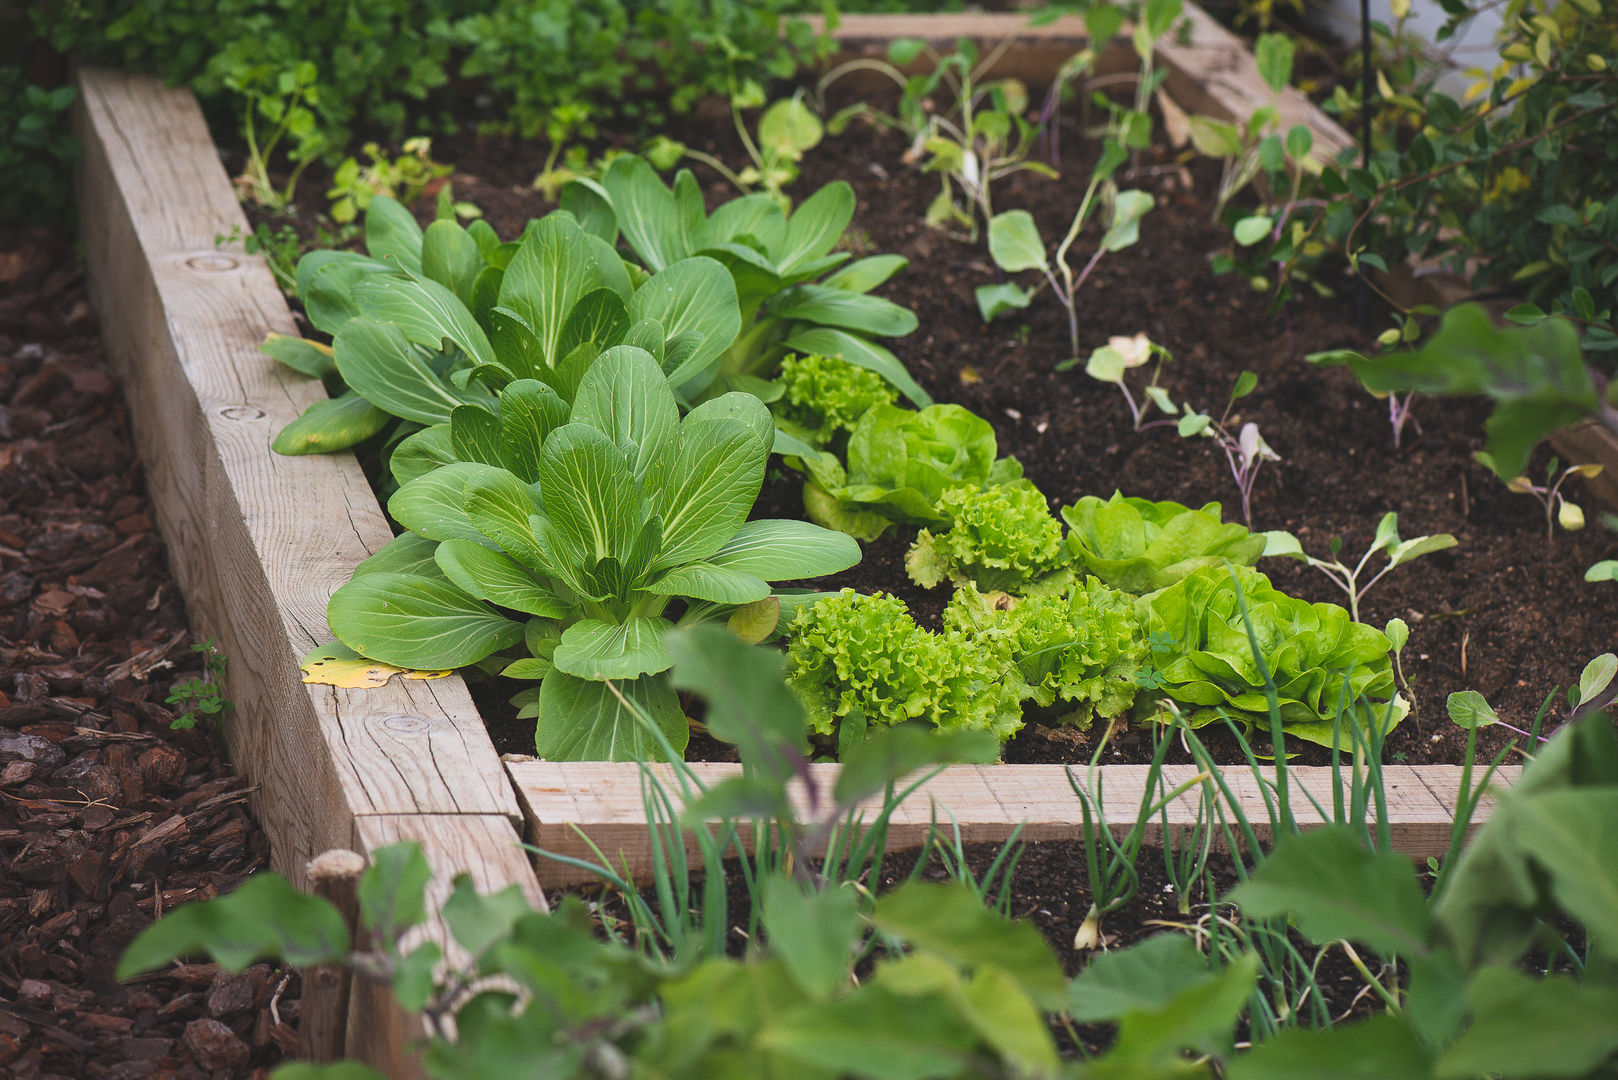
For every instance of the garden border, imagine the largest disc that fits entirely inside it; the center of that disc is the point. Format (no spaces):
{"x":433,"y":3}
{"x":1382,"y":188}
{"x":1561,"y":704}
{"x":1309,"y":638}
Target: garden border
{"x":258,"y":542}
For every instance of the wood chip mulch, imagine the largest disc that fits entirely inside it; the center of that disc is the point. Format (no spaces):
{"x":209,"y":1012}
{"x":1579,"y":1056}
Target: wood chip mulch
{"x":108,"y":817}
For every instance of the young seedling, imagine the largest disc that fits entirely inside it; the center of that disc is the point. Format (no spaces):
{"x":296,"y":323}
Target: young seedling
{"x":1398,"y":632}
{"x":1245,"y":451}
{"x":1120,"y":355}
{"x":1605,"y":570}
{"x":1559,"y":509}
{"x":1387,"y":540}
{"x":787,"y":130}
{"x":289,"y":106}
{"x":201,"y":697}
{"x":404,"y":178}
{"x":1015,"y":245}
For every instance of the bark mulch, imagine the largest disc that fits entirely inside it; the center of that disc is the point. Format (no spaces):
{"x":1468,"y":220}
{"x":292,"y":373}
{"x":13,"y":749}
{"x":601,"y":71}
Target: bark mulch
{"x":108,"y":816}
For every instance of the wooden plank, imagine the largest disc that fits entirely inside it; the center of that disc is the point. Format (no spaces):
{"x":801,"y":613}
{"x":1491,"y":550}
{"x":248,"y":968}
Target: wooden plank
{"x":1034,"y":54}
{"x":603,"y":802}
{"x":258,"y":541}
{"x":486,"y":847}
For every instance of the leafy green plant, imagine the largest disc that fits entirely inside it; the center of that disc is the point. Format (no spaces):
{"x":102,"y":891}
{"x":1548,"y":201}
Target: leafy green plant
{"x":982,"y":136}
{"x":586,"y":521}
{"x":1240,"y":645}
{"x":823,"y":397}
{"x":202,"y":697}
{"x":795,"y":293}
{"x":1245,"y":451}
{"x":787,"y":130}
{"x":287,"y":104}
{"x":1536,"y":376}
{"x":404,"y":178}
{"x":1000,"y":537}
{"x":900,"y":463}
{"x":1559,"y":509}
{"x":1015,"y":245}
{"x":857,"y":662}
{"x":1605,"y":570}
{"x":1082,"y":645}
{"x":35,"y":148}
{"x":1141,"y":546}
{"x":1387,"y":541}
{"x":1112,"y":362}
{"x":280,"y":247}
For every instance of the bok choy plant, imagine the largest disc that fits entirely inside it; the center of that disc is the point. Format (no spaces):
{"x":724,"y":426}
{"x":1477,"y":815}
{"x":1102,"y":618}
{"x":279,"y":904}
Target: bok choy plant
{"x":795,"y":292}
{"x":431,"y":321}
{"x":551,"y":540}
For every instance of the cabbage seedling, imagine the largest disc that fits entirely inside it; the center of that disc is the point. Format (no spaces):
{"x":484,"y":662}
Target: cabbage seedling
{"x":1559,"y":509}
{"x":1120,"y":355}
{"x":1245,"y":452}
{"x":1387,"y":540}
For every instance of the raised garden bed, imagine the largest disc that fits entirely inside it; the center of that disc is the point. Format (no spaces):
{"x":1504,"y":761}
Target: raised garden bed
{"x":261,"y":541}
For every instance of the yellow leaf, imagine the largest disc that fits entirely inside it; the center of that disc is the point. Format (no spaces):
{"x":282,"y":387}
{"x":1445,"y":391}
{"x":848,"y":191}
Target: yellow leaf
{"x":1383,"y":87}
{"x":1544,"y":49}
{"x":1588,"y":471}
{"x":970,"y":376}
{"x":313,"y":344}
{"x":338,"y":665}
{"x":1400,"y":8}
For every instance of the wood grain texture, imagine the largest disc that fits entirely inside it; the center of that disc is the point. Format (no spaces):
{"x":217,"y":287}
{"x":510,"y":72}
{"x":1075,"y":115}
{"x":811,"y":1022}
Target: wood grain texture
{"x":486,"y":847}
{"x":988,"y":802}
{"x":258,"y":541}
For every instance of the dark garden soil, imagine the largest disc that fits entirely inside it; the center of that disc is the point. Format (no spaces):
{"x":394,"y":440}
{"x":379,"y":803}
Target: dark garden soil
{"x":107,"y":816}
{"x":1506,"y":613}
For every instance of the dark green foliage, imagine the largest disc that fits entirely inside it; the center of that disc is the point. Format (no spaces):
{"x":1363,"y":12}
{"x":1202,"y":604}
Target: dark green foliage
{"x":35,"y":150}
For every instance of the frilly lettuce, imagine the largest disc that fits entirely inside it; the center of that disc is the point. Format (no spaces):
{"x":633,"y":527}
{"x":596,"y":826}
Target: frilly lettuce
{"x":1140,"y":546}
{"x":1085,"y":647}
{"x":900,"y":462}
{"x":851,"y":653}
{"x":824,"y":395}
{"x":1308,"y":648}
{"x":1001,"y":537}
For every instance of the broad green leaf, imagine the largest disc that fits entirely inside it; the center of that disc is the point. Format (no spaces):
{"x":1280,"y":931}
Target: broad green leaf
{"x":736,"y":405}
{"x":646,"y":212}
{"x":1333,"y":888}
{"x":413,"y":975}
{"x":391,"y":235}
{"x":379,"y":364}
{"x":837,"y":307}
{"x":705,"y":581}
{"x":499,"y":579}
{"x":781,"y":550}
{"x":752,"y":217}
{"x":1014,"y":242}
{"x":695,"y":295}
{"x":1418,"y":546}
{"x":1573,"y":835}
{"x":1200,"y":1016}
{"x":406,"y":553}
{"x":307,"y":357}
{"x":425,"y":312}
{"x":433,"y":504}
{"x":477,"y":920}
{"x":1273,"y":53}
{"x":863,"y":275}
{"x":582,"y":720}
{"x":812,"y":932}
{"x":717,"y":473}
{"x":1144,"y":977}
{"x":417,"y":622}
{"x":816,"y":226}
{"x":1250,"y":230}
{"x":1005,"y":1017}
{"x":600,"y":317}
{"x":829,"y":341}
{"x":755,"y":622}
{"x":588,"y":487}
{"x":625,"y":396}
{"x":995,"y":300}
{"x":331,"y":425}
{"x":500,"y":507}
{"x":474,"y":435}
{"x":1605,"y":570}
{"x":1381,"y":1048}
{"x":1128,"y":207}
{"x":594,"y":649}
{"x":873,"y":1034}
{"x":1526,"y":1028}
{"x":451,"y":257}
{"x":419,"y":454}
{"x":789,"y":128}
{"x":393,"y":890}
{"x":749,"y":704}
{"x":1106,"y":364}
{"x":590,"y":207}
{"x":951,"y":922}
{"x":529,"y":412}
{"x":328,"y":296}
{"x":553,"y":270}
{"x":1596,"y":677}
{"x":1469,"y":709}
{"x":265,"y":918}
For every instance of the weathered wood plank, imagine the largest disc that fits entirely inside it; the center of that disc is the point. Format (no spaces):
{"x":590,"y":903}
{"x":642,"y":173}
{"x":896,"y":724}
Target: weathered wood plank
{"x":987,"y":802}
{"x":258,"y":541}
{"x":486,"y":847}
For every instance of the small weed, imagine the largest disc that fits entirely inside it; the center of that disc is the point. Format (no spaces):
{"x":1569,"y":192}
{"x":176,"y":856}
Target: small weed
{"x":202,"y":697}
